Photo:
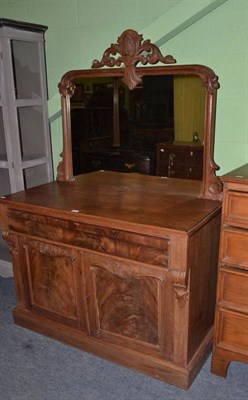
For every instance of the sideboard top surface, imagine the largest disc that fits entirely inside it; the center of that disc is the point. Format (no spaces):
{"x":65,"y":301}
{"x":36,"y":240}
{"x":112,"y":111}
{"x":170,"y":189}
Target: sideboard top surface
{"x":120,"y":200}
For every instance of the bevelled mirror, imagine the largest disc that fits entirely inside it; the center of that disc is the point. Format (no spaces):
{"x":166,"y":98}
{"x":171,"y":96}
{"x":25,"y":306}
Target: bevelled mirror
{"x":154,"y":120}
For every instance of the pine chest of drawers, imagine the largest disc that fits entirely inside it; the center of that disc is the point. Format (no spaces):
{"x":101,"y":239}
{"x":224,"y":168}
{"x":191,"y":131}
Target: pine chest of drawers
{"x":231,"y":322}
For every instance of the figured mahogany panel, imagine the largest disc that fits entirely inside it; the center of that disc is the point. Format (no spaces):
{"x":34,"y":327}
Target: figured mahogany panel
{"x":52,"y":280}
{"x":126,"y":303}
{"x":137,"y":247}
{"x":127,"y":306}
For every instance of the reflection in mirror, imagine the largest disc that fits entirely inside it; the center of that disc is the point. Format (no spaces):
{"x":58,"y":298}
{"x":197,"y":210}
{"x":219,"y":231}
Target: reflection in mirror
{"x":161,"y":121}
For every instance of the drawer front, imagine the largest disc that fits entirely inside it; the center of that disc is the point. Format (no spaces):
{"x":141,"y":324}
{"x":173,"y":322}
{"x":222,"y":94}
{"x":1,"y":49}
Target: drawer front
{"x":195,"y":157}
{"x":96,"y":163}
{"x":233,"y":289}
{"x":130,"y":164}
{"x":138,"y":247}
{"x":234,"y":245}
{"x":233,"y":332}
{"x":236,"y":208}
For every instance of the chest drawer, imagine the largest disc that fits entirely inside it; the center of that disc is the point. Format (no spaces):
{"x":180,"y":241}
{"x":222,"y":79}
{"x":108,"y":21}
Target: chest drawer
{"x":233,"y":289}
{"x":235,"y":210}
{"x":234,"y":333}
{"x":234,"y":247}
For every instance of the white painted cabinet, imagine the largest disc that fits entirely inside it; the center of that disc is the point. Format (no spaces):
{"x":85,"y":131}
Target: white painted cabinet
{"x":25,"y":148}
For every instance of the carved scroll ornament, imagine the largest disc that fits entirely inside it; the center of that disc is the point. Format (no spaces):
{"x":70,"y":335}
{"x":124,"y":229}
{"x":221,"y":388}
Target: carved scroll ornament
{"x":12,"y":242}
{"x":66,"y":88}
{"x":49,"y":250}
{"x":180,"y":285}
{"x":125,"y":272}
{"x":131,"y":49}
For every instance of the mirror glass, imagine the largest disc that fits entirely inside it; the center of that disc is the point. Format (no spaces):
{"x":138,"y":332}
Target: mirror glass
{"x":118,"y":129}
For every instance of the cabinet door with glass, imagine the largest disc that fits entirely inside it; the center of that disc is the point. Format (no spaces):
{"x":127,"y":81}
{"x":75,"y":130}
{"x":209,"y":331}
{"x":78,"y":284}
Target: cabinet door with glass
{"x":25,"y":148}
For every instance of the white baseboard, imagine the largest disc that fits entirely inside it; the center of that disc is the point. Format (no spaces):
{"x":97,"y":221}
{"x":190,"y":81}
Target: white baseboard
{"x":6,"y":270}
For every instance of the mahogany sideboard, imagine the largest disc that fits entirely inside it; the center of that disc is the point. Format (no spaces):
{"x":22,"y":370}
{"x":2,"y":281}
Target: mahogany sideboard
{"x":120,"y":265}
{"x":231,"y":322}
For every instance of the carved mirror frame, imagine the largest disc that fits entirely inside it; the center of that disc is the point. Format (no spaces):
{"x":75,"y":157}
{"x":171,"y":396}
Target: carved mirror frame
{"x":132,"y":50}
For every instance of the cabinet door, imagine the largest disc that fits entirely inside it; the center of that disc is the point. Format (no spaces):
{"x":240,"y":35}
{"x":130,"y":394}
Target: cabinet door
{"x":53,"y":276}
{"x":129,"y":304}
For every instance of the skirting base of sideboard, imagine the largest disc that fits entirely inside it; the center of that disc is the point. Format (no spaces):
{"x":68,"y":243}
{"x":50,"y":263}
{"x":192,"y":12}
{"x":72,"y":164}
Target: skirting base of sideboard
{"x":166,"y":371}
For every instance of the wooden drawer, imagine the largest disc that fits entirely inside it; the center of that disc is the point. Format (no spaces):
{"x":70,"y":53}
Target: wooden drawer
{"x":233,"y":332}
{"x":234,"y":245}
{"x":235,"y":210}
{"x":120,"y":161}
{"x":233,"y":289}
{"x":138,"y":247}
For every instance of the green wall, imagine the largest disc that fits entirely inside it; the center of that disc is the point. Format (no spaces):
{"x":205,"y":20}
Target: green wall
{"x":210,"y":32}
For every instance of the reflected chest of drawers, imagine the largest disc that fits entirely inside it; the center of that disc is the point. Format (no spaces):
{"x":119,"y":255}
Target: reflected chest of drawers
{"x":182,"y":160}
{"x":231,"y":322}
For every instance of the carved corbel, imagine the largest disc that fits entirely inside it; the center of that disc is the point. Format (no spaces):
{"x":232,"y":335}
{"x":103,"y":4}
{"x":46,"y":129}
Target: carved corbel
{"x":12,"y":242}
{"x":181,"y":286}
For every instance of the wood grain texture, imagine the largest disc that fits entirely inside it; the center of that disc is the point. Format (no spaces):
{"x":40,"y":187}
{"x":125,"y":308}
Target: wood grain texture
{"x":138,"y":247}
{"x":231,"y":321}
{"x":118,"y":200}
{"x":122,"y":265}
{"x":136,"y":286}
{"x":128,"y":306}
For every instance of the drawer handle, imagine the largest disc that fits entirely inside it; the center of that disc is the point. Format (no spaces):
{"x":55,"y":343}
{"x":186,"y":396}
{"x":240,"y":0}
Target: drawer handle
{"x":130,"y":166}
{"x":162,"y":150}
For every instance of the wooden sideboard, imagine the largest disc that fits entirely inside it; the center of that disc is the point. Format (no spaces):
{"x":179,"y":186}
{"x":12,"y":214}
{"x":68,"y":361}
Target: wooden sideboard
{"x":180,"y":160}
{"x":231,"y":322}
{"x":120,"y":265}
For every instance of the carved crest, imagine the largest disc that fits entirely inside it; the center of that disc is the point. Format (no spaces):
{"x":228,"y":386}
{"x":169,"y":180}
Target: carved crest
{"x":131,"y":49}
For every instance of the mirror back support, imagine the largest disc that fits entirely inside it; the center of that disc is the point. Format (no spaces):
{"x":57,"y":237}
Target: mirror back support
{"x":130,"y":50}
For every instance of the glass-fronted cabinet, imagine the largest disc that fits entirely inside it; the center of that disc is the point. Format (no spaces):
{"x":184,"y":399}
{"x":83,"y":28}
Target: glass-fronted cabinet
{"x":25,"y":148}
